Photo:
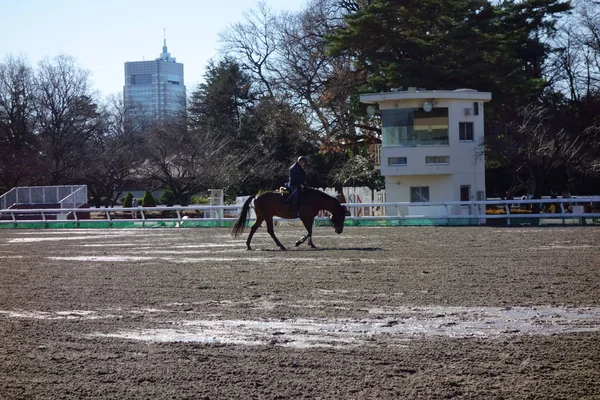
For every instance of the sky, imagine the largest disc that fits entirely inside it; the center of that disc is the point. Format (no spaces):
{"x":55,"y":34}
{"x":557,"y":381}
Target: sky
{"x":103,"y":35}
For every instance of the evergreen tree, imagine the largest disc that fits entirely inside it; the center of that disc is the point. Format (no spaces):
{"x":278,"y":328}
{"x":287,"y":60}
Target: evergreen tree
{"x":496,"y":47}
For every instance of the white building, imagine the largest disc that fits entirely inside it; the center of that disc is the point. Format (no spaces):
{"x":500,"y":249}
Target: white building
{"x":432,"y":146}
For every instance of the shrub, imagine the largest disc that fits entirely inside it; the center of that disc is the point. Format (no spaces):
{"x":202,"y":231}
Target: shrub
{"x":502,"y":212}
{"x":167,"y":198}
{"x":127,"y":200}
{"x":199,"y":199}
{"x":148,"y":200}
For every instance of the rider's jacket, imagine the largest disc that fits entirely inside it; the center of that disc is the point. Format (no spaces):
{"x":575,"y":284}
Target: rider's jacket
{"x":297,"y":175}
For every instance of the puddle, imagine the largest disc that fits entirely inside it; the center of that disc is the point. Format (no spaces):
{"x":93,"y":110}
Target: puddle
{"x":102,"y":258}
{"x":50,"y":239}
{"x":275,"y":259}
{"x":192,"y":251}
{"x":73,"y":314}
{"x":388,"y":326}
{"x":104,"y":245}
{"x":392,"y":326}
{"x":417,"y":323}
{"x":200,"y":245}
{"x":558,"y":246}
{"x":179,"y":259}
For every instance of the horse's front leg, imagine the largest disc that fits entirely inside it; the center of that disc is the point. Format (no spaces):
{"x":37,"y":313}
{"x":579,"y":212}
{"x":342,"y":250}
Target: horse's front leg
{"x":308,"y":224}
{"x":302,"y":240}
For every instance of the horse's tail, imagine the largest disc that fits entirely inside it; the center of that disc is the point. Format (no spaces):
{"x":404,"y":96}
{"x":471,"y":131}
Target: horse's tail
{"x":240,"y":224}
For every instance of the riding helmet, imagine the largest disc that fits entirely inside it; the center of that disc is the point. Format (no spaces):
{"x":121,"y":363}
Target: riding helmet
{"x":302,"y":158}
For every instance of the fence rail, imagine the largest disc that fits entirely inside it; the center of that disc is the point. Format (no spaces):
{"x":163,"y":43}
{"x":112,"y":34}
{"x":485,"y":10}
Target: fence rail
{"x":579,"y":211}
{"x":68,"y":196}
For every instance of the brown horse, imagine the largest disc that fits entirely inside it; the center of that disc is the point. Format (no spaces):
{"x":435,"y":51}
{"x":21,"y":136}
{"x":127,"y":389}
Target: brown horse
{"x":271,"y":203}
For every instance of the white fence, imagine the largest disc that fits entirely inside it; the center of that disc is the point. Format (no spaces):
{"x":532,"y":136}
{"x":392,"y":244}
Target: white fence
{"x":357,"y":196}
{"x":508,"y":212}
{"x":69,"y":196}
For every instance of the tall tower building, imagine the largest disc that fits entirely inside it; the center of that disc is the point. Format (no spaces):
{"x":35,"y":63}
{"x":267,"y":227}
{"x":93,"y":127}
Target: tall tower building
{"x":154,"y":88}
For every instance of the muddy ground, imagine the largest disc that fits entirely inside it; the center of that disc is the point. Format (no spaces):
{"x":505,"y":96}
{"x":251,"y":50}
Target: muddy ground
{"x":387,"y":313}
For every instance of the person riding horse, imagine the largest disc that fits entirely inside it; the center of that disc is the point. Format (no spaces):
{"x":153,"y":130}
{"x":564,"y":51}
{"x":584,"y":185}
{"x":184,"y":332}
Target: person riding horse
{"x":297,"y":180}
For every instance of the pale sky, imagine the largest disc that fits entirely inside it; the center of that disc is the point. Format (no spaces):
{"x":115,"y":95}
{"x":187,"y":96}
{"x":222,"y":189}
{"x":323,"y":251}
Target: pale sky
{"x":103,"y":35}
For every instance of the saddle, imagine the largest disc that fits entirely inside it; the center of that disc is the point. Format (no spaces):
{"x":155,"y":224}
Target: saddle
{"x":285,"y":193}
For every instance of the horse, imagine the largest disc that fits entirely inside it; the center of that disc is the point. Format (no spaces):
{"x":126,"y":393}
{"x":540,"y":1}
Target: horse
{"x":273,"y":203}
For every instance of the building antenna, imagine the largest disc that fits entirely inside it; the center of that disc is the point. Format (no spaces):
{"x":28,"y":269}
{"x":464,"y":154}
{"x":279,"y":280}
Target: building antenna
{"x":165,"y":55}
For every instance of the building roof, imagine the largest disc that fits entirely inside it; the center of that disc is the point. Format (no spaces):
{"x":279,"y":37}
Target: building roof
{"x":458,"y":94}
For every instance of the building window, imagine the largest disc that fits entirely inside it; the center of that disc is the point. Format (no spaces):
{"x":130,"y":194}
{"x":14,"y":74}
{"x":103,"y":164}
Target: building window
{"x":475,"y":108}
{"x":397,"y":161}
{"x":465,"y":193}
{"x":465,"y":131}
{"x":414,"y":127}
{"x":142,"y":79}
{"x":419,"y":194}
{"x":437,"y":160}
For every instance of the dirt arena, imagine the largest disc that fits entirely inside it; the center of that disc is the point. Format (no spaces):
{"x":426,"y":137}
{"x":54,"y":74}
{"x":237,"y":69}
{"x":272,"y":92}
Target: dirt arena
{"x":386,"y":313}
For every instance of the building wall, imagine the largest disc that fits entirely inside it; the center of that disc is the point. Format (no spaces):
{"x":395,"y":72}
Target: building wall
{"x":464,"y":156}
{"x":154,"y":88}
{"x":466,"y":165}
{"x":160,"y":95}
{"x":397,"y":189}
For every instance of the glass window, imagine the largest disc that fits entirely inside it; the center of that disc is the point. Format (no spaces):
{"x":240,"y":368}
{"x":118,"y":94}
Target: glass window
{"x":419,"y":194}
{"x":465,"y":131}
{"x":397,"y":161}
{"x":465,"y":193}
{"x":142,"y":79}
{"x":435,"y":160}
{"x":431,"y":128}
{"x":397,"y":127}
{"x":415,"y":127}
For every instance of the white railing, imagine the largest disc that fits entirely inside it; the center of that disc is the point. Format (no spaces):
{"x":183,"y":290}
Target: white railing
{"x":76,"y":199}
{"x":448,"y":212}
{"x":69,"y":195}
{"x":376,"y":156}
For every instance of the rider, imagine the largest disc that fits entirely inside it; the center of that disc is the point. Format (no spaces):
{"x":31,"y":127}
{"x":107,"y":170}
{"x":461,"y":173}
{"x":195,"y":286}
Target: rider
{"x":297,"y":179}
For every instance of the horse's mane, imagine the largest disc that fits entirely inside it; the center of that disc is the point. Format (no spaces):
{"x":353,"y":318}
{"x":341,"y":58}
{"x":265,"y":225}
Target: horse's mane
{"x":321,"y":194}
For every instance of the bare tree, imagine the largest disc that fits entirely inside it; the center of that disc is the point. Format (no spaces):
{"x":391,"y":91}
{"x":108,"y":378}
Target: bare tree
{"x":288,"y":54}
{"x":18,"y":142}
{"x":115,"y":154}
{"x":67,"y":115}
{"x":253,"y":42}
{"x":534,"y":146}
{"x":574,"y":67}
{"x":319,"y":83}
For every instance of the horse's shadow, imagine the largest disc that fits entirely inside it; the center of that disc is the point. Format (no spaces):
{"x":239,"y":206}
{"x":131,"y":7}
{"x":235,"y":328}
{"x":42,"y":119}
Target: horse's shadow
{"x":366,"y":249}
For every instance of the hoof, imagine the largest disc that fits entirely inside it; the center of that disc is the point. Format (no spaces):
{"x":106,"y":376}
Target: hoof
{"x":249,"y":248}
{"x":283,"y":248}
{"x":298,"y":243}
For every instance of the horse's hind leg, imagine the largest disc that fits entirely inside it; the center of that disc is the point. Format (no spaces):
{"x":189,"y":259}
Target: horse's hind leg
{"x":253,"y":231}
{"x":272,"y":233}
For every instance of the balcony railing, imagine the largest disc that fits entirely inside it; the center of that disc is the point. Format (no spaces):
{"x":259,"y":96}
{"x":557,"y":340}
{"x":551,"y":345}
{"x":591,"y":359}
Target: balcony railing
{"x":376,"y":155}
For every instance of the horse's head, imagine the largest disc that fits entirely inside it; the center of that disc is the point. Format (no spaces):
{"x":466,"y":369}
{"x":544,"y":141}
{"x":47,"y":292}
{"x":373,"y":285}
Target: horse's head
{"x":337,"y":220}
